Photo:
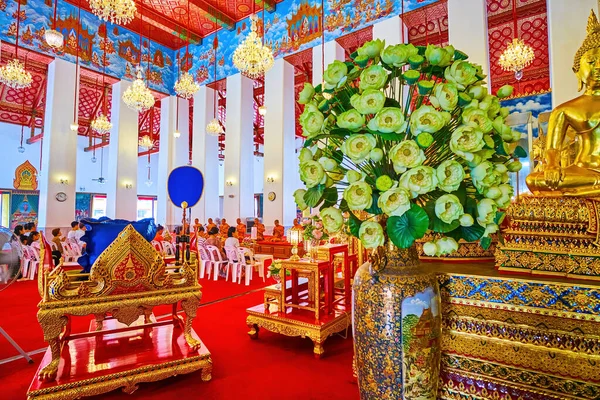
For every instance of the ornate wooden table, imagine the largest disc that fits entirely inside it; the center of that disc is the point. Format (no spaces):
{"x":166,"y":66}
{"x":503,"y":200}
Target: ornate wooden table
{"x":311,"y":311}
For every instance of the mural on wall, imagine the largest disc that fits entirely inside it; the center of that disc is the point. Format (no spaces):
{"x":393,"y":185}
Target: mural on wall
{"x":25,"y":177}
{"x":534,"y":104}
{"x":121,"y":45}
{"x":294,"y":26}
{"x":23,"y":208}
{"x":83,"y":205}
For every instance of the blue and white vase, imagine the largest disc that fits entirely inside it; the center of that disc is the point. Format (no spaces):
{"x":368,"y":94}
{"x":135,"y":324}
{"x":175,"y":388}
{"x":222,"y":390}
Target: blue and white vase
{"x":397,"y":327}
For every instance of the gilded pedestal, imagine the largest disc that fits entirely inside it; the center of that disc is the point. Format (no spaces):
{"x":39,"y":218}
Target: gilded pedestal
{"x":556,"y":236}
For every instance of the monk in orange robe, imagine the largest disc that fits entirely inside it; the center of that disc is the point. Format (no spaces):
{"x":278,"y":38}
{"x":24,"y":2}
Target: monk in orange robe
{"x":260,"y":229}
{"x":278,"y":232}
{"x":224,"y":228}
{"x":240,"y":229}
{"x":296,"y":223}
{"x":210,"y":225}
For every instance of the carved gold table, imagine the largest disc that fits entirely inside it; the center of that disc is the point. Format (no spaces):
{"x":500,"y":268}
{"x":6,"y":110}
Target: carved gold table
{"x":312,"y":313}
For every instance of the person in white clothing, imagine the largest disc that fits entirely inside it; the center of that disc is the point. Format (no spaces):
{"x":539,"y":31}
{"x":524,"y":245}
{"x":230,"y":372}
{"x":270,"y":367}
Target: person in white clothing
{"x":73,"y":231}
{"x":231,"y":241}
{"x":80,"y":232}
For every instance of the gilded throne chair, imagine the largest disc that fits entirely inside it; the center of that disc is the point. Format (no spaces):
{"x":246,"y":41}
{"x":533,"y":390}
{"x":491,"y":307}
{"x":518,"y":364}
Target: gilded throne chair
{"x":125,"y":283}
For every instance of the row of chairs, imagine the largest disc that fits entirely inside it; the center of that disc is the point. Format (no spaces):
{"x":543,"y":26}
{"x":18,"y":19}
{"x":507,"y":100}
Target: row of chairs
{"x":30,"y":262}
{"x":240,"y":262}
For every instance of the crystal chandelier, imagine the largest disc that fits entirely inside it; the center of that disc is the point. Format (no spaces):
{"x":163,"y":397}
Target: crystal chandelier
{"x":214,"y":128}
{"x":137,"y":96}
{"x":516,"y":57}
{"x":185,"y":87}
{"x":114,"y":11}
{"x":14,"y":75}
{"x":146,"y":142}
{"x":101,"y":124}
{"x":252,"y":57}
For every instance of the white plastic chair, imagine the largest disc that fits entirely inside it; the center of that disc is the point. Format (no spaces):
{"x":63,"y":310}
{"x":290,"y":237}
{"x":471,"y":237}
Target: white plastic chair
{"x":217,"y":262}
{"x":53,"y":246}
{"x":168,"y":249}
{"x":33,"y":267}
{"x":158,"y":246}
{"x":204,"y":261}
{"x":245,"y":265}
{"x":232,"y":259}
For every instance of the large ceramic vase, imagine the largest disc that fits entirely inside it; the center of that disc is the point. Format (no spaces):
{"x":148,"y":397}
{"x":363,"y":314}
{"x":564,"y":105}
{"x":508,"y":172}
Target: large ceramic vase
{"x":397,"y":327}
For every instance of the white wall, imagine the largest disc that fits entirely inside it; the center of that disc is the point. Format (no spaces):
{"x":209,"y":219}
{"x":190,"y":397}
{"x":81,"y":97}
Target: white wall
{"x":11,"y":158}
{"x":144,"y":189}
{"x":259,"y":171}
{"x":87,"y":170}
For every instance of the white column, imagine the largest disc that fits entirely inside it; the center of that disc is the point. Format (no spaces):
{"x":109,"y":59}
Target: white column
{"x":59,"y":148}
{"x":280,"y":162}
{"x":170,"y":155}
{"x":238,"y":199}
{"x":467,"y":30}
{"x":390,"y":30}
{"x":205,"y":154}
{"x":567,"y":21}
{"x":333,"y":51}
{"x":121,"y":177}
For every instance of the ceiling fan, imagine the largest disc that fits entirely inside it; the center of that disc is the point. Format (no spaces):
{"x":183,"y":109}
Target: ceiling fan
{"x":101,"y":180}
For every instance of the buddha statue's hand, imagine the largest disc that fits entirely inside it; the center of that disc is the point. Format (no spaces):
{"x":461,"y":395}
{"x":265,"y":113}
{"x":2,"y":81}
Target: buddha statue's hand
{"x":552,"y":176}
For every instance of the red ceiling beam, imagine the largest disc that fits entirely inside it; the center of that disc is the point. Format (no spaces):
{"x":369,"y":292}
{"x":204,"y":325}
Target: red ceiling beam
{"x":35,"y":138}
{"x":97,"y":146}
{"x":178,"y":29}
{"x":214,"y":14}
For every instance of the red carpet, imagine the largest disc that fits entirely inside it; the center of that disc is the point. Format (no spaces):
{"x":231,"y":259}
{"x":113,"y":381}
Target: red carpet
{"x":272,"y":367}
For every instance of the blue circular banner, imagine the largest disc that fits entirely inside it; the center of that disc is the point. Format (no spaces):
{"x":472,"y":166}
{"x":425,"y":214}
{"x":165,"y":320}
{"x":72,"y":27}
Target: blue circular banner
{"x":185,"y":184}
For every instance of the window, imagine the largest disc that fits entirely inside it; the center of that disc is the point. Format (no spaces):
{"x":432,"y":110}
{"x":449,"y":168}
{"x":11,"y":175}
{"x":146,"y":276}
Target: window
{"x":146,"y":207}
{"x":4,"y":209}
{"x":98,"y":205}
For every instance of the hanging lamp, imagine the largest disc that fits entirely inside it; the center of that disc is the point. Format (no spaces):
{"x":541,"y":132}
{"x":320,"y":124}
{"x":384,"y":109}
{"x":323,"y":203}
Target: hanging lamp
{"x":101,"y":124}
{"x":54,"y":38}
{"x":137,"y":96}
{"x":186,"y":86}
{"x":114,"y":11}
{"x":14,"y":74}
{"x":214,"y":127}
{"x":74,"y":124}
{"x":252,"y":58}
{"x":147,"y":142}
{"x":517,"y":56}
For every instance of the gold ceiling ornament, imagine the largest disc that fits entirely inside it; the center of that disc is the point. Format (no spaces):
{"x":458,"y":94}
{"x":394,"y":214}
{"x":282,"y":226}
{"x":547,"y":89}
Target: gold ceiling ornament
{"x":214,"y":128}
{"x":146,"y":142}
{"x":252,"y":58}
{"x":516,"y":57}
{"x":101,"y":124}
{"x":14,"y":75}
{"x":114,"y":11}
{"x":137,"y":96}
{"x":186,"y":86}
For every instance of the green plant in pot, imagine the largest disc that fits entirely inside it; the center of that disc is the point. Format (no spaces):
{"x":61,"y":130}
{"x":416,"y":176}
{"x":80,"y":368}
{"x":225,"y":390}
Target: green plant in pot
{"x":406,"y":141}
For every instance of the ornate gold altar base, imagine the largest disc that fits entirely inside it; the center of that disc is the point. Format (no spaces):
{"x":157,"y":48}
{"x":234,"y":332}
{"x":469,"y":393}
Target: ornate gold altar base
{"x":535,"y":339}
{"x":298,"y":323}
{"x":467,"y":251}
{"x":556,"y":236}
{"x":102,"y":365}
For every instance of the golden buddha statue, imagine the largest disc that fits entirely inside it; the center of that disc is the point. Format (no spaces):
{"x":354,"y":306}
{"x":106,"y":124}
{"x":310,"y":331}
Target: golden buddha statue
{"x":581,"y":115}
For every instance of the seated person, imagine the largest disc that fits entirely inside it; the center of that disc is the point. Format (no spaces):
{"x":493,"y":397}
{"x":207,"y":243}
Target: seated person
{"x":159,"y":234}
{"x":201,"y":233}
{"x":213,"y":240}
{"x":74,"y":229}
{"x":33,"y":239}
{"x":210,"y":225}
{"x":260,"y":229}
{"x":18,"y":231}
{"x":278,"y":232}
{"x":57,"y":239}
{"x":197,"y":224}
{"x":240,"y":230}
{"x":224,"y":228}
{"x":297,"y":224}
{"x":24,"y":240}
{"x":231,"y":240}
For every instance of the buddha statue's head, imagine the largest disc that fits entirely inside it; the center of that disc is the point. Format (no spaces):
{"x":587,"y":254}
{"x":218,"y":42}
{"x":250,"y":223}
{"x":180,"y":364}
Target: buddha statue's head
{"x":587,"y":59}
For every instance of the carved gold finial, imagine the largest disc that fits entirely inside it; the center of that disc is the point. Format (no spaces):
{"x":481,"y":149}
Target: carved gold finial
{"x":592,"y":23}
{"x":591,"y":41}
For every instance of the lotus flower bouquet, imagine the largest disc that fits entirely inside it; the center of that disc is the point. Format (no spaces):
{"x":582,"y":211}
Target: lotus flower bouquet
{"x":314,"y":228}
{"x":407,"y":140}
